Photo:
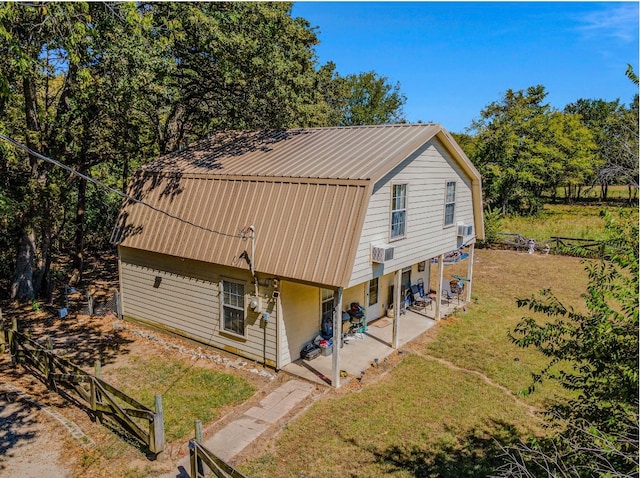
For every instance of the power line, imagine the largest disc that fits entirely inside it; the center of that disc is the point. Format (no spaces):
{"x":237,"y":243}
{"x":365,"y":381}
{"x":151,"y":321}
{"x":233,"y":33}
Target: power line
{"x":21,"y":146}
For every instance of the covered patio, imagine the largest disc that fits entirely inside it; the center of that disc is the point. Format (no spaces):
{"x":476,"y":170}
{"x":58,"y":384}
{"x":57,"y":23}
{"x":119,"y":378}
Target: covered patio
{"x":376,"y":343}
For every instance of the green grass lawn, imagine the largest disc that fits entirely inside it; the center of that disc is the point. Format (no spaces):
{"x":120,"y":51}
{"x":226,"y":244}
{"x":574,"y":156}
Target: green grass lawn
{"x":188,"y":392}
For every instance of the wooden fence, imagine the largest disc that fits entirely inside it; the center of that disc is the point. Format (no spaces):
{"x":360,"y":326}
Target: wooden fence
{"x":200,"y":456}
{"x":571,"y":246}
{"x":104,"y":400}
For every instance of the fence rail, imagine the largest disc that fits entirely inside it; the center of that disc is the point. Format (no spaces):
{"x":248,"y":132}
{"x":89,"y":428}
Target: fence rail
{"x":571,"y":246}
{"x":105,"y":401}
{"x":199,"y":456}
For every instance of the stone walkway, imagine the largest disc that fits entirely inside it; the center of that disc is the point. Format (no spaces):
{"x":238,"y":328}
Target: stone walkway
{"x":240,"y":433}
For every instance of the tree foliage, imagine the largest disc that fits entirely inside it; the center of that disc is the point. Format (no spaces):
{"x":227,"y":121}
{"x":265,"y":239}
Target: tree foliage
{"x":370,"y":99}
{"x":103,"y":87}
{"x":595,"y":355}
{"x":615,"y":130}
{"x":523,"y":147}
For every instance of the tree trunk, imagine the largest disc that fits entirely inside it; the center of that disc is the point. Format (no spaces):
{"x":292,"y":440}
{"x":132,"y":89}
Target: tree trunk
{"x":78,"y":242}
{"x":22,"y":285}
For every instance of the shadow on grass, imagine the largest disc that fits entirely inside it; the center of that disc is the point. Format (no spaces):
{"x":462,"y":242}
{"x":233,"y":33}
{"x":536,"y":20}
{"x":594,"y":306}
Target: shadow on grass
{"x":475,"y":455}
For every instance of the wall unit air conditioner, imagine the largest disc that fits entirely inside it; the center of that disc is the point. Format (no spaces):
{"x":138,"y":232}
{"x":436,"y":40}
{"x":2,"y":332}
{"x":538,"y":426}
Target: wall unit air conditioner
{"x":465,"y":230}
{"x":382,"y":254}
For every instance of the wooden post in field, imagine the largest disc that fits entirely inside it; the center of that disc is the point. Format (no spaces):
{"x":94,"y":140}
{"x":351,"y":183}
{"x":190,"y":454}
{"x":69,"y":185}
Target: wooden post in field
{"x":2,"y":339}
{"x":156,"y":430}
{"x":97,"y":369}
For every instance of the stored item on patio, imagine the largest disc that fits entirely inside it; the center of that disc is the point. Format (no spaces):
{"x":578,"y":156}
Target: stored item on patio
{"x":326,"y":328}
{"x":310,"y":351}
{"x":357,"y":319}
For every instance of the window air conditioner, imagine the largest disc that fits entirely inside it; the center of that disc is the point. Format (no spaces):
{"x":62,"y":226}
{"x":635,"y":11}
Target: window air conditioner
{"x":382,"y":254}
{"x":465,"y":230}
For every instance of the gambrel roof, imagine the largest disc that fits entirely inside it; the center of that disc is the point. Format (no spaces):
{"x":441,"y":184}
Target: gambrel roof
{"x":305,"y":191}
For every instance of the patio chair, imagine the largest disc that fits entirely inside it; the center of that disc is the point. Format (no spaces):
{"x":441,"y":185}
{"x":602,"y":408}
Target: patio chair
{"x":447,"y":293}
{"x":456,"y":287}
{"x":417,"y":300}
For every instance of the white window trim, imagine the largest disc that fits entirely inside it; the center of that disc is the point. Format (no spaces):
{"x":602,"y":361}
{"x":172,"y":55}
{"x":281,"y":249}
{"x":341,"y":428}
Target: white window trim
{"x":406,"y":212}
{"x":244,"y":308}
{"x":444,"y":215}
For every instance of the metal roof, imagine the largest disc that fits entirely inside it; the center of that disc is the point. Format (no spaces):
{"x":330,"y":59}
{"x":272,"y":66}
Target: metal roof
{"x":305,"y":191}
{"x":338,"y":153}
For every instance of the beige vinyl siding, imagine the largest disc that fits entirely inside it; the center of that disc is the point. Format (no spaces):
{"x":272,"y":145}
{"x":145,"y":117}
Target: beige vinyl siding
{"x":187,"y":302}
{"x":426,"y":235}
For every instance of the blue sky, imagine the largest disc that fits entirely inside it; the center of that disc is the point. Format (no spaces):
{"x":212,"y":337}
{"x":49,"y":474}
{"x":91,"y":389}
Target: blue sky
{"x":454,"y":58}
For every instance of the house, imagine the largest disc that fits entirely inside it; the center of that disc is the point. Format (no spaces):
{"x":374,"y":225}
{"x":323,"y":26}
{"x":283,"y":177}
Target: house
{"x":246,"y":240}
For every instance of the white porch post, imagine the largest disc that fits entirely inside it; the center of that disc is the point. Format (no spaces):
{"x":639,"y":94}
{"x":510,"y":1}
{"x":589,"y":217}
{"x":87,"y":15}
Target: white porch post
{"x":470,"y":271}
{"x":337,"y":337}
{"x":439,"y":291}
{"x":396,"y":308}
{"x":279,"y":330}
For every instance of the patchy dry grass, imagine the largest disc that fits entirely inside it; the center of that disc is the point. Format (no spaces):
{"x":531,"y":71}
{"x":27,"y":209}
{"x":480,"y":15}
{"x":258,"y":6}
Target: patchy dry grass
{"x":429,"y":418}
{"x":443,"y":424}
{"x":577,"y":221}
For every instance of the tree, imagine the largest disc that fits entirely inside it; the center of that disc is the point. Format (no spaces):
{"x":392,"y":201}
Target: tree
{"x":370,"y":99}
{"x":523,"y":147}
{"x":595,"y":355}
{"x":615,"y":130}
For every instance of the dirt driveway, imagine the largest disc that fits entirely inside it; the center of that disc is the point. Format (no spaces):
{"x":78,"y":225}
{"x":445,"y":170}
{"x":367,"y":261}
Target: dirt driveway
{"x":30,"y":444}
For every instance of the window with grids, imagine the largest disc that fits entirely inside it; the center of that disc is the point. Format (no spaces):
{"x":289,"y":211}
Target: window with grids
{"x":399,"y":211}
{"x":450,"y":203}
{"x":233,"y":307}
{"x":327,"y":303}
{"x":373,"y":291}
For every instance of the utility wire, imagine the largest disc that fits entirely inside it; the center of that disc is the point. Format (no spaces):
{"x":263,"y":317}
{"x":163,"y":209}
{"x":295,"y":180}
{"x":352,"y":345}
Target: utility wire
{"x":21,"y":146}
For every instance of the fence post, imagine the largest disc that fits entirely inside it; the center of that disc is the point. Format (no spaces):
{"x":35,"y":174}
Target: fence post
{"x":118,"y":304}
{"x":2,"y":337}
{"x":90,"y":304}
{"x":50,"y":364}
{"x":12,"y":341}
{"x":97,"y":369}
{"x":156,"y":430}
{"x":199,"y":467}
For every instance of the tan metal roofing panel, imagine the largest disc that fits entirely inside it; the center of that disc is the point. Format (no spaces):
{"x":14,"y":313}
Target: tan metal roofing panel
{"x":344,"y":153}
{"x":299,"y":226}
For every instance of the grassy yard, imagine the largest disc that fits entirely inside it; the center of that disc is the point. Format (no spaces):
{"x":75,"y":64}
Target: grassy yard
{"x":188,"y":392}
{"x":432,"y":415}
{"x":578,"y":221}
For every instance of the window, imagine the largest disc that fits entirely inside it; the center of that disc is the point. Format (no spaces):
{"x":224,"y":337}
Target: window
{"x":327,"y":304}
{"x":399,"y":211}
{"x":373,"y":291}
{"x":450,"y":203}
{"x":233,"y":307}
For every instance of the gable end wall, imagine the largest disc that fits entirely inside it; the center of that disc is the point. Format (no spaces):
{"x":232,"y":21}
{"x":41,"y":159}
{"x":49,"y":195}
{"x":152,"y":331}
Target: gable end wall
{"x":426,"y":235}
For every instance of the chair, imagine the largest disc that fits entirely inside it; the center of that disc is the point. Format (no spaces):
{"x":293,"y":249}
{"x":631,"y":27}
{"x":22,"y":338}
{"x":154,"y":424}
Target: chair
{"x":418,"y":300}
{"x":456,"y":287}
{"x":447,"y":293}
